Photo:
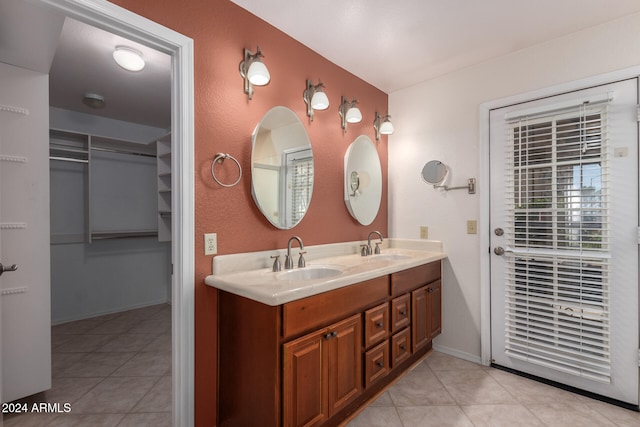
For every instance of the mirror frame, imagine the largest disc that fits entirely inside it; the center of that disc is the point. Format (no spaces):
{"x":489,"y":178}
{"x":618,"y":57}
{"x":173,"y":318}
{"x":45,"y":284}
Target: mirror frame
{"x":434,"y":172}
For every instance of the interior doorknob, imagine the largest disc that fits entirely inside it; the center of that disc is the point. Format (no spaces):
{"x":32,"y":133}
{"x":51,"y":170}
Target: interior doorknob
{"x":499,"y":250}
{"x":14,"y":267}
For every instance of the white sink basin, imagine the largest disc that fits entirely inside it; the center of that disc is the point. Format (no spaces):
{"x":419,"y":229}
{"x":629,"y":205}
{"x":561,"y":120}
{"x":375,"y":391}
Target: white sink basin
{"x":309,"y":273}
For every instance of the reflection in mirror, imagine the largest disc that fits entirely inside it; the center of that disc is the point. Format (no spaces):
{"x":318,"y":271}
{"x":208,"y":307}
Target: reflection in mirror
{"x":362,"y":180}
{"x":434,"y":172}
{"x":281,"y":168}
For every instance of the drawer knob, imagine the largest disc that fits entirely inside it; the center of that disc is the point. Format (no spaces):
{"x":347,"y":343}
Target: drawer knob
{"x":403,"y":312}
{"x":379,"y":324}
{"x":379,"y":364}
{"x":403,"y":347}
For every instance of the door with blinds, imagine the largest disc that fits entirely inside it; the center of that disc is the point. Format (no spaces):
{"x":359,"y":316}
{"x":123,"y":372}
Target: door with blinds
{"x":564,"y":239}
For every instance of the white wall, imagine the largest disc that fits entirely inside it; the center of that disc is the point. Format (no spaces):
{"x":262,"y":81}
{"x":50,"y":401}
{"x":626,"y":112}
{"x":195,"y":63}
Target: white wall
{"x":439,"y":119}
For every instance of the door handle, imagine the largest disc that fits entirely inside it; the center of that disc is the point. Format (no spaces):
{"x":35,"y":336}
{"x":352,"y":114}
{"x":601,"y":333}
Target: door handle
{"x":499,"y":250}
{"x":14,"y":267}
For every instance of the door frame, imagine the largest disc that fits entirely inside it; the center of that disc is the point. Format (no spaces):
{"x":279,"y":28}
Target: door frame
{"x":484,"y":175}
{"x":120,"y":21}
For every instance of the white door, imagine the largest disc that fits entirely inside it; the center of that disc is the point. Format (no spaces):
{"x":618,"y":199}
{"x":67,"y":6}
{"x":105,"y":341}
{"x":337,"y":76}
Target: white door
{"x":564,"y":239}
{"x":24,"y":232}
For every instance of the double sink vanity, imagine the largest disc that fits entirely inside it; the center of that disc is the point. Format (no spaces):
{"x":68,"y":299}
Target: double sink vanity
{"x":308,"y":346}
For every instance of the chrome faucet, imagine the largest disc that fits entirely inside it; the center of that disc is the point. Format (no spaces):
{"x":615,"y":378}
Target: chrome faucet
{"x":377,"y":250}
{"x":288,"y":261}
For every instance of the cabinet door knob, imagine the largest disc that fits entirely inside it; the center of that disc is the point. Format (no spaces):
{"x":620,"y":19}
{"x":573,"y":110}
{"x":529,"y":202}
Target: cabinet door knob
{"x":327,"y":336}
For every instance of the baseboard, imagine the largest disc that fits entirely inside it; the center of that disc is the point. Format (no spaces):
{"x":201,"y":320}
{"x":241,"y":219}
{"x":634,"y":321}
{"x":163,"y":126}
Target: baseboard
{"x":115,"y":310}
{"x":457,"y":353}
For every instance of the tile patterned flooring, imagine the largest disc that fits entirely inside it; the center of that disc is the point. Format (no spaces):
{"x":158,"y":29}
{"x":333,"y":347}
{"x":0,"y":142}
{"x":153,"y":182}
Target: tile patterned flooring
{"x":113,"y":370}
{"x":443,"y":391}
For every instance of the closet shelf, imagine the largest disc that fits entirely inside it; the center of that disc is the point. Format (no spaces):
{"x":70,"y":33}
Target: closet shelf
{"x":104,"y":235}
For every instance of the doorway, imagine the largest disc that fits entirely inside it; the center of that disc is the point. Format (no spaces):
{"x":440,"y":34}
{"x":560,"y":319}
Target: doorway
{"x":562,"y":225}
{"x":119,"y":21}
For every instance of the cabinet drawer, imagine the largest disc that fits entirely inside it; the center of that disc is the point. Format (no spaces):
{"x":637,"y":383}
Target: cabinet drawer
{"x":376,"y":363}
{"x":400,"y":312}
{"x":319,"y":310}
{"x":376,"y":324}
{"x":408,"y":280}
{"x":400,"y":347}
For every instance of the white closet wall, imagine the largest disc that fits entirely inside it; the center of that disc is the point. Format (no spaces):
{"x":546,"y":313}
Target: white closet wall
{"x":115,"y":192}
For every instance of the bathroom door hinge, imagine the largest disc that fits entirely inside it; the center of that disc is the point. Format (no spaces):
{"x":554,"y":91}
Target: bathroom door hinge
{"x":639,"y":358}
{"x":639,"y":235}
{"x":638,"y":111}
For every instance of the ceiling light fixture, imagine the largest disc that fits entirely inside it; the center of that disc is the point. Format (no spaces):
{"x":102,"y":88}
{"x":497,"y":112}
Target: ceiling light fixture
{"x":382,"y":125}
{"x":253,"y":71}
{"x":315,"y":98}
{"x":128,"y":58}
{"x":93,"y":100}
{"x":349,"y":112}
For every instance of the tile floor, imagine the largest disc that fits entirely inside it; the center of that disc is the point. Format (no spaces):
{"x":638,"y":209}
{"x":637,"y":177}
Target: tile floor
{"x":443,"y":391}
{"x":113,"y":370}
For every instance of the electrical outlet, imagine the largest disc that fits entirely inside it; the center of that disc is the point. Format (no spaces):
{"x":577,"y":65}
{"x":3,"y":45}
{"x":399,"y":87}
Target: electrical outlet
{"x":472,"y":226}
{"x":424,"y":232}
{"x":210,"y":244}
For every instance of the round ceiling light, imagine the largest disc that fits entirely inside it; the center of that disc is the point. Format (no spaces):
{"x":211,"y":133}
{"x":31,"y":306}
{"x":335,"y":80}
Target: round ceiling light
{"x":128,"y":58}
{"x":93,"y":100}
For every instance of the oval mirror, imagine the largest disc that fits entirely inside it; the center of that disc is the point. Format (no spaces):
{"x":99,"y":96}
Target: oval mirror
{"x":434,"y":172}
{"x":281,"y":168}
{"x":362,"y":180}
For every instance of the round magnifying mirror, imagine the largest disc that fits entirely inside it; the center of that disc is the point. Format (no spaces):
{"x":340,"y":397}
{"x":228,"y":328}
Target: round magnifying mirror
{"x":434,"y":172}
{"x":282,"y":168}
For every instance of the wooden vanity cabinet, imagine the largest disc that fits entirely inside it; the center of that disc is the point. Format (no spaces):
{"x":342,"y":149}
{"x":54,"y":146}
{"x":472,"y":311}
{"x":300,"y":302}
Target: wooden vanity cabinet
{"x":322,"y":373}
{"x":315,"y":361}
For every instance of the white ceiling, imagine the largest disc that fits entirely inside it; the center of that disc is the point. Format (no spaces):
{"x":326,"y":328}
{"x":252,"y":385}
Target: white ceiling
{"x":396,"y":44}
{"x":390,"y":44}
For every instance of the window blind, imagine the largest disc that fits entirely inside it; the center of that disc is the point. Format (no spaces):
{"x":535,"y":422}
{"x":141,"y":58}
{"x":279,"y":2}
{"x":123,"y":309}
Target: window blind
{"x":558,"y":234}
{"x":301,"y":187}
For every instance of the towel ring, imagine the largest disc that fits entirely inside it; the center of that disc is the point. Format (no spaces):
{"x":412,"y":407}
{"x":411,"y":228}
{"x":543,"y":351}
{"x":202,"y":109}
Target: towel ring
{"x":220,"y":157}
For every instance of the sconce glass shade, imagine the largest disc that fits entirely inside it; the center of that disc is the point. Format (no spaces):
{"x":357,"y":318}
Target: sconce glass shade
{"x":253,"y":71}
{"x":387,"y":127}
{"x":258,"y":74}
{"x":315,"y":98}
{"x":319,"y":101}
{"x":349,"y":112}
{"x":382,"y":125}
{"x":353,"y":115}
{"x":128,"y":58}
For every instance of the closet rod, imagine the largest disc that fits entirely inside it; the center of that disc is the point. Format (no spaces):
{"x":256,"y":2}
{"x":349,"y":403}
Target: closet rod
{"x":68,"y":159}
{"x":115,"y":150}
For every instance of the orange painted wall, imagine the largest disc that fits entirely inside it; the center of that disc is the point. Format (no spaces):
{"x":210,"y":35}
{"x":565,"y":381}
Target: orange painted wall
{"x":224,"y":122}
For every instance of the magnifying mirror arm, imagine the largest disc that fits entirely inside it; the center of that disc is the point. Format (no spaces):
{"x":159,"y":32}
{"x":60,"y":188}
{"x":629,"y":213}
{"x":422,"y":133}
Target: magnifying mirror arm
{"x":471,"y":186}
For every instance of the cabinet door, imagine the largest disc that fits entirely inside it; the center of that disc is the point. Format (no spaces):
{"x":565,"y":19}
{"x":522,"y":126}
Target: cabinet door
{"x":435,"y":309}
{"x":344,"y":362}
{"x":419,"y":318}
{"x":304,"y":380}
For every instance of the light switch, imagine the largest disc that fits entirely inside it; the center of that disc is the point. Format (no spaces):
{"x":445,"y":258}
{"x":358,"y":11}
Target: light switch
{"x":424,"y":232}
{"x":472,"y":226}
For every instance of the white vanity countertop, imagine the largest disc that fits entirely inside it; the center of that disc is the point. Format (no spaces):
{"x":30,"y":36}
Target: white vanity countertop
{"x":250,"y":274}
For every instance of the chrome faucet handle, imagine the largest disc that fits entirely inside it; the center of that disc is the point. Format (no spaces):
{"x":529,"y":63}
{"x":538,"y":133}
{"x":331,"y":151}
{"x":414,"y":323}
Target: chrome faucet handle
{"x":301,"y":261}
{"x":276,"y":263}
{"x":363,"y":250}
{"x":377,"y":249}
{"x":288,"y":262}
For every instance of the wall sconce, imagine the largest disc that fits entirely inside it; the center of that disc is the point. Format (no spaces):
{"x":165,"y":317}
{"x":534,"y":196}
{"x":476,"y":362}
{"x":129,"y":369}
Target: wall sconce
{"x":349,"y":112}
{"x":315,"y":98}
{"x":382,"y":125}
{"x":253,"y":71}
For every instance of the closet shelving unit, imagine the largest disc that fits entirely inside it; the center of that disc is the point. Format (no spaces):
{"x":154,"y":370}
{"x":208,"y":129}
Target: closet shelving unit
{"x":164,"y":188}
{"x":75,"y":147}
